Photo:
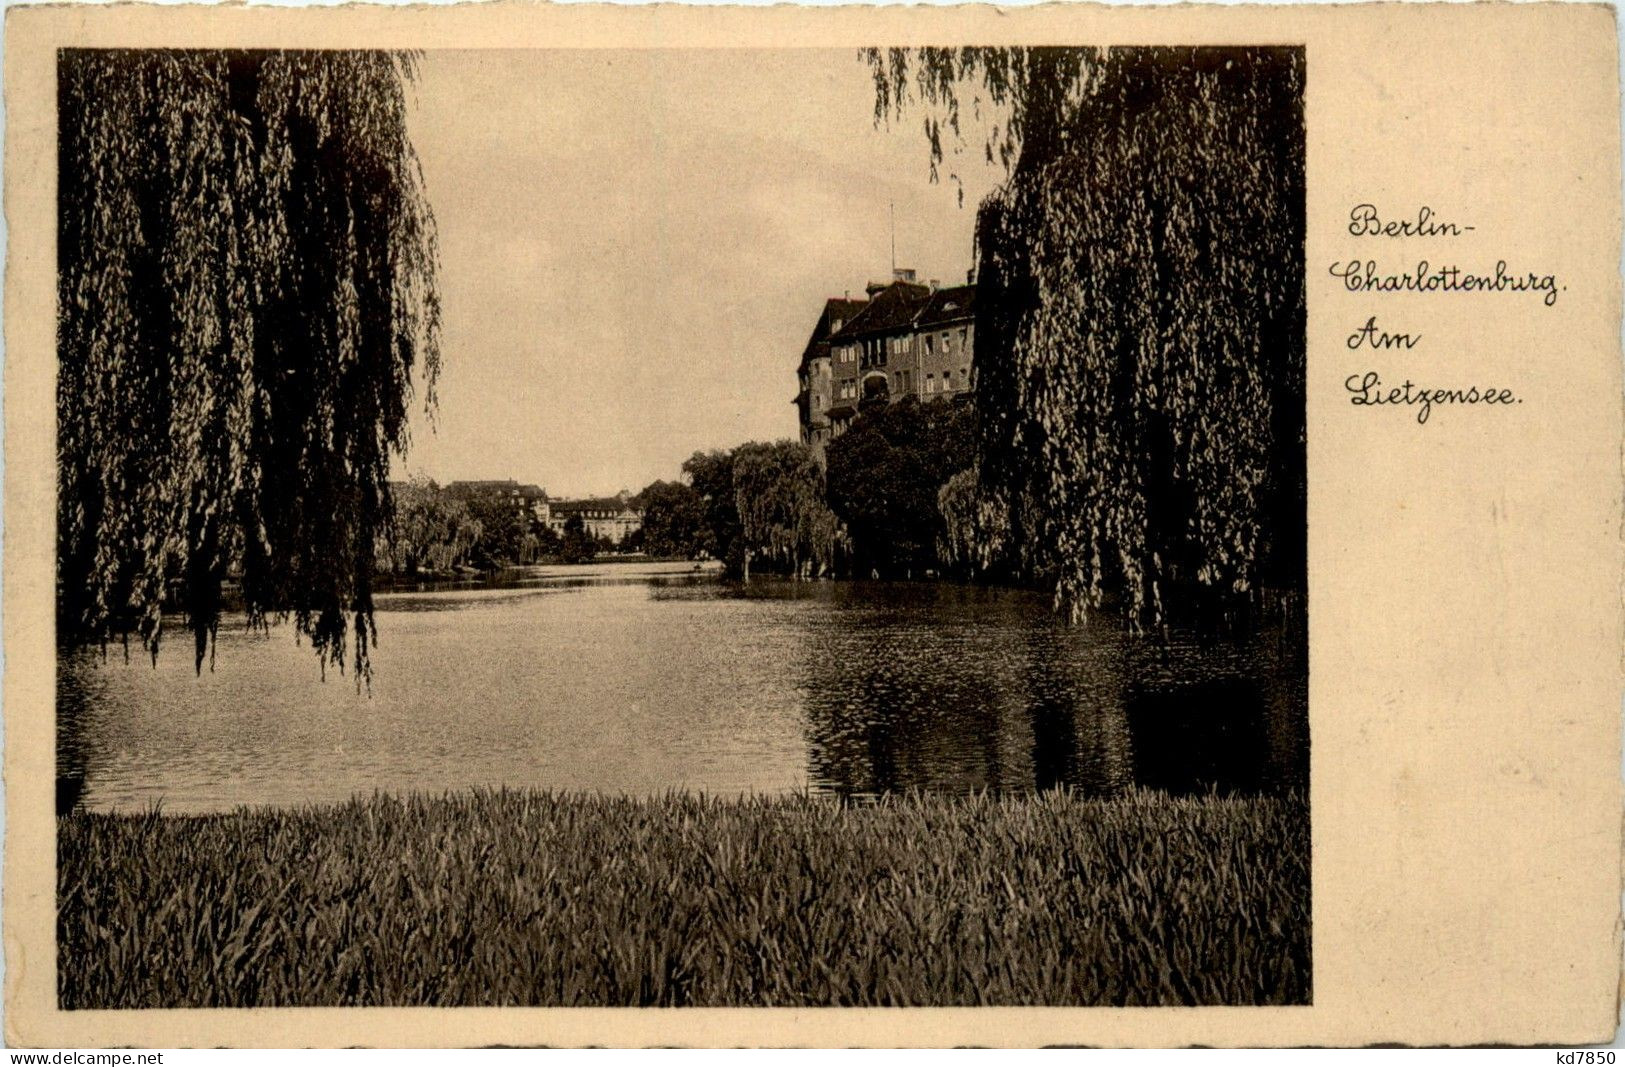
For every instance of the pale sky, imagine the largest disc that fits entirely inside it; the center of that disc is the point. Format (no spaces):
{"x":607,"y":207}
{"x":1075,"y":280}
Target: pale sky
{"x":635,"y":246}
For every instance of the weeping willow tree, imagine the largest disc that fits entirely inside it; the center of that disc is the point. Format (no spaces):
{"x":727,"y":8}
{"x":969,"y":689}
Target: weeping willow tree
{"x":1140,"y":314}
{"x":246,"y":289}
{"x":974,"y":528}
{"x":783,"y":520}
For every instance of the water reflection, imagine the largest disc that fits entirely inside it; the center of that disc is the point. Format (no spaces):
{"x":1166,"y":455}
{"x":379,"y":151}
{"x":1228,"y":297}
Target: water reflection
{"x":949,"y":688}
{"x":642,"y":683}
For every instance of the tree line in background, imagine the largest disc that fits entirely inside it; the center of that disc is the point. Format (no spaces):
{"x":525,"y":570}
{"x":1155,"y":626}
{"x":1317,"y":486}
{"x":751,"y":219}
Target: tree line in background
{"x":885,"y":507}
{"x":770,"y":507}
{"x":448,"y":531}
{"x":766,"y":507}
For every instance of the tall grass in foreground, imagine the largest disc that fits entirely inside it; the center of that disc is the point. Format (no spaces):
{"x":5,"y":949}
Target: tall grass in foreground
{"x":526,"y":898}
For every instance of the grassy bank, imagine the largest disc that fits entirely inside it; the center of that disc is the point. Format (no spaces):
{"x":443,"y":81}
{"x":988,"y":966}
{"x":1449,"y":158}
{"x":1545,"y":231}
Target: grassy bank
{"x":536,"y":899}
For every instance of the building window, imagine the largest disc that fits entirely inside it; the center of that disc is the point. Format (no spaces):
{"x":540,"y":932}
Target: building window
{"x":928,"y":348}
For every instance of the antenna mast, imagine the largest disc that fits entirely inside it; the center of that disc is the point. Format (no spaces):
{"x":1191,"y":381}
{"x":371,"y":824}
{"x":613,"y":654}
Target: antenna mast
{"x":893,"y":205}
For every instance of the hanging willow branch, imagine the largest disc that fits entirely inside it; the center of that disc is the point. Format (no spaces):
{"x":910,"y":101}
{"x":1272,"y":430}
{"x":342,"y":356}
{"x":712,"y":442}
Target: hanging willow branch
{"x":246,"y":286}
{"x":1140,"y":317}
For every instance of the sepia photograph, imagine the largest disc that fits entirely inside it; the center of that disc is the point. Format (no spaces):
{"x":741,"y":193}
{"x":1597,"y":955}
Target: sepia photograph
{"x":681,"y":527}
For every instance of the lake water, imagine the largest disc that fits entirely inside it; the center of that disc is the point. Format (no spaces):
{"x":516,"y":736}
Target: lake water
{"x":622,"y":680}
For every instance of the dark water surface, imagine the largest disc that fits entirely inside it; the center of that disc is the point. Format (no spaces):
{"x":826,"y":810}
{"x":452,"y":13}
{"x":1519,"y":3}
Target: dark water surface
{"x":624,"y":682}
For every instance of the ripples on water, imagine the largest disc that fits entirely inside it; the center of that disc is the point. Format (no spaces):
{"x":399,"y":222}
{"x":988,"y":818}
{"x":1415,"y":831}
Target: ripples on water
{"x":645,"y":683}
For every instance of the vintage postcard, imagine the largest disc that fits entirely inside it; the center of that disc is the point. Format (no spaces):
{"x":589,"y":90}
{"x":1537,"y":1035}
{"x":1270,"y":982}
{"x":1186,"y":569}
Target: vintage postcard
{"x":1071,"y":524}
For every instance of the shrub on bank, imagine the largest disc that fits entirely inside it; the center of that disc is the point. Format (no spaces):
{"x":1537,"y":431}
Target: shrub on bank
{"x":533,"y":898}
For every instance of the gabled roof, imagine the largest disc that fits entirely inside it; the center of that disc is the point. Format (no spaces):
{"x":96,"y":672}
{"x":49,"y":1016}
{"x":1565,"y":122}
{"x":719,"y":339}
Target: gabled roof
{"x":948,"y":305}
{"x":836,"y":310}
{"x":889,"y":310}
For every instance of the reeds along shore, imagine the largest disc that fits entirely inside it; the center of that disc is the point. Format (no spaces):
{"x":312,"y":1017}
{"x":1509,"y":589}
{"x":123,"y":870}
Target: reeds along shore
{"x":527,"y":898}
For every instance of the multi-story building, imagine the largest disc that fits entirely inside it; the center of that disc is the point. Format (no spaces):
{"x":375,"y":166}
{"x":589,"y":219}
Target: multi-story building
{"x":528,"y":500}
{"x":610,"y":517}
{"x":816,"y":397}
{"x":906,"y":339}
{"x":944,"y":335}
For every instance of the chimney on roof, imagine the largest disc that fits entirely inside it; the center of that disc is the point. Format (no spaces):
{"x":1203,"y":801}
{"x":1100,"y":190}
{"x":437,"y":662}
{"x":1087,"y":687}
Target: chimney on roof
{"x":935,"y":285}
{"x":874,"y":287}
{"x":902,"y":274}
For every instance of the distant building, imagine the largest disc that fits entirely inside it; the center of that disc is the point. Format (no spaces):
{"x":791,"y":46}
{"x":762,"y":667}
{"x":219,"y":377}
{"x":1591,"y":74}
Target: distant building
{"x":906,"y":339}
{"x":611,"y":516}
{"x":528,"y":500}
